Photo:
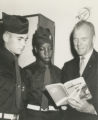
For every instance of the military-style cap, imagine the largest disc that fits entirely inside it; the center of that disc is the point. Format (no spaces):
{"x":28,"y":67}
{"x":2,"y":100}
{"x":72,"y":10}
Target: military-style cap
{"x":15,"y":24}
{"x":42,"y":35}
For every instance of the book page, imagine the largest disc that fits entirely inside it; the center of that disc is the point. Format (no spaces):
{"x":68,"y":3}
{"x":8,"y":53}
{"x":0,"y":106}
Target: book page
{"x":58,"y":93}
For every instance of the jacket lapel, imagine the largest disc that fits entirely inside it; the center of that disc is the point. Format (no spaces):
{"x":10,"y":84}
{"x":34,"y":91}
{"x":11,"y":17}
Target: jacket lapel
{"x":90,"y":65}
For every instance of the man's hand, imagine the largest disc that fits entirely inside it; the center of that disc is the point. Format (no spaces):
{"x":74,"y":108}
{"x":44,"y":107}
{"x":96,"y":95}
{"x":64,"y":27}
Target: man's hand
{"x":82,"y":105}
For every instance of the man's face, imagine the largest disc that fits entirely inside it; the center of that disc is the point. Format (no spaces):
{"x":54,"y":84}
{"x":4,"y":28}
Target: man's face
{"x":44,"y":52}
{"x":15,"y":43}
{"x":83,"y":40}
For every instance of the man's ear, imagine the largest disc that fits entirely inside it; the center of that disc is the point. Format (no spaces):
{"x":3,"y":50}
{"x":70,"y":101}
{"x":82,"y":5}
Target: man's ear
{"x":34,"y":51}
{"x":5,"y":37}
{"x":94,"y":39}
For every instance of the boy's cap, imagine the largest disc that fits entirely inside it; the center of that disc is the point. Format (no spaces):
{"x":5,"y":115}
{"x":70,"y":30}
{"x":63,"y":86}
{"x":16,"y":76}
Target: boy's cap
{"x":42,"y":35}
{"x":15,"y":24}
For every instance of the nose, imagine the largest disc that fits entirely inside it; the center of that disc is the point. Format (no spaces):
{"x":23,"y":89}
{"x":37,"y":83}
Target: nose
{"x":79,"y":42}
{"x":46,"y":52}
{"x":23,"y":43}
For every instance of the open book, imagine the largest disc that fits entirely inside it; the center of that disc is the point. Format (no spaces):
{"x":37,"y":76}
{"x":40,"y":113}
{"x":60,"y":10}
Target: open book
{"x":75,"y":89}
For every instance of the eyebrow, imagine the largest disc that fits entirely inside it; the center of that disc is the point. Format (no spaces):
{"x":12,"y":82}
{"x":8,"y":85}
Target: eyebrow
{"x":22,"y":37}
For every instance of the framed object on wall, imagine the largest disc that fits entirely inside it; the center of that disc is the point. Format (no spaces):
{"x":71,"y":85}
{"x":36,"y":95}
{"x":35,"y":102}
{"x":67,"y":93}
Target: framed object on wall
{"x":35,"y":21}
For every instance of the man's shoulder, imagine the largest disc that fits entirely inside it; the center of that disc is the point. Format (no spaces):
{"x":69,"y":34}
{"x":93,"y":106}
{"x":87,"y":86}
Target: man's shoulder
{"x":6,"y":59}
{"x":55,"y":67}
{"x":95,"y":53}
{"x":94,"y":57}
{"x":71,"y":62}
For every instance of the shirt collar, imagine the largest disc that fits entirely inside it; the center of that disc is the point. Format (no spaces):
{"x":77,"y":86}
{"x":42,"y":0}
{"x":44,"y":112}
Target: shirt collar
{"x":41,"y":64}
{"x":88,"y":55}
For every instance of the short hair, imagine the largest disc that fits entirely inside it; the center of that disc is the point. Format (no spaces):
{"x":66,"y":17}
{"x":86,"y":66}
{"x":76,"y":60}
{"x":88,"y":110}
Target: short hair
{"x":84,"y":22}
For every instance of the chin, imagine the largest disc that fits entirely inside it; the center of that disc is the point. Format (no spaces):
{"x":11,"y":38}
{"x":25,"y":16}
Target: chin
{"x":80,"y":54}
{"x":47,"y":62}
{"x":18,"y":53}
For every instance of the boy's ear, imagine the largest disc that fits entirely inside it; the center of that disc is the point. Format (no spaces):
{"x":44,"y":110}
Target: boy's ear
{"x":35,"y":49}
{"x":5,"y":37}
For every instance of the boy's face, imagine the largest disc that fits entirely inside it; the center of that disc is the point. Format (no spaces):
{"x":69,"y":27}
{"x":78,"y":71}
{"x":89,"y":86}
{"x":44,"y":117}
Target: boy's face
{"x":15,"y":43}
{"x":45,"y":52}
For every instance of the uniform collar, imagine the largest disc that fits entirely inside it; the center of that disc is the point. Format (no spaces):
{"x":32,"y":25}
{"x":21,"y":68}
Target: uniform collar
{"x":6,"y":55}
{"x":41,"y":64}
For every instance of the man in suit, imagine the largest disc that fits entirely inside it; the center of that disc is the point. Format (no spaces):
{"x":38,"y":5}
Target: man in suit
{"x":83,"y":36}
{"x":40,"y":106}
{"x":15,"y":29}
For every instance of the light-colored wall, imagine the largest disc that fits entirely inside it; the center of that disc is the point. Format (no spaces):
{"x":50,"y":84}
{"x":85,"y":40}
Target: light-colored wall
{"x":63,"y":12}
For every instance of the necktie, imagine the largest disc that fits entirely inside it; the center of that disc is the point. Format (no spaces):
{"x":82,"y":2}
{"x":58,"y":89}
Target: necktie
{"x":47,"y":81}
{"x":82,"y":65}
{"x":18,"y":84}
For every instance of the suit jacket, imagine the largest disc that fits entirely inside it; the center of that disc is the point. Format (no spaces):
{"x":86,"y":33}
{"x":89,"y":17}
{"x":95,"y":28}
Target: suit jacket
{"x":71,"y":71}
{"x":7,"y":82}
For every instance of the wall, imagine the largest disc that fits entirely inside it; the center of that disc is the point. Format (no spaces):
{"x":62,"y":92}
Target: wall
{"x":63,"y":12}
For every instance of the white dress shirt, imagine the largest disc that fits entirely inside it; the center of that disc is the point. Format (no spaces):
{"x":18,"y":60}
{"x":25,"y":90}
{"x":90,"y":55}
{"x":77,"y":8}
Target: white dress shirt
{"x":86,"y":59}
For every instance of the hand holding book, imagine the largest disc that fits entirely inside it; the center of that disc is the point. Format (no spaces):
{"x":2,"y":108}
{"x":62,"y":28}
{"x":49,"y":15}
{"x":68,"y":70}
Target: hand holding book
{"x":82,"y":105}
{"x":74,"y":92}
{"x":75,"y":89}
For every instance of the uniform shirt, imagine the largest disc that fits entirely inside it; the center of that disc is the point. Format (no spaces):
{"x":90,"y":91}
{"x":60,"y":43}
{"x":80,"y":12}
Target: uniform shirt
{"x":7,"y":82}
{"x":35,"y":86}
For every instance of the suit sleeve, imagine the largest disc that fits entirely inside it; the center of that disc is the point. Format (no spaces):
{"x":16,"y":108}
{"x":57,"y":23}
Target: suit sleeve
{"x":64,"y":74}
{"x":95,"y":92}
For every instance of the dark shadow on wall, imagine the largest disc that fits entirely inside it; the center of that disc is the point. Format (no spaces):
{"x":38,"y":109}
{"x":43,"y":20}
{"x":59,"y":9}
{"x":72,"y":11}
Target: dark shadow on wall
{"x":1,"y":34}
{"x":73,"y":51}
